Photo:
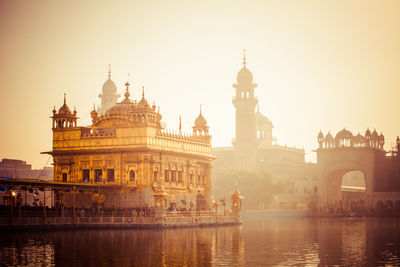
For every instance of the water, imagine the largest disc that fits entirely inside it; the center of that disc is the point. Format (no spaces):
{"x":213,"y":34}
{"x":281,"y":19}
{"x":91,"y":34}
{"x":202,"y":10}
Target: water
{"x":283,"y":241}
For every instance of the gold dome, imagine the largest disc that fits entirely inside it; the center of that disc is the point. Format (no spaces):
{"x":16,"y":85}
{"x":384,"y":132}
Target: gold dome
{"x":64,"y":110}
{"x":143,"y":104}
{"x":200,"y":120}
{"x":120,"y":108}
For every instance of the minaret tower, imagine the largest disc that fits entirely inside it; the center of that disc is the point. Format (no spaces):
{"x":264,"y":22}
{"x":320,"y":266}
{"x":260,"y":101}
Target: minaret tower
{"x":245,"y":143}
{"x":109,"y":94}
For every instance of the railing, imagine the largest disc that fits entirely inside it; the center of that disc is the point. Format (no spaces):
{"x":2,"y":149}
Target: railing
{"x":197,"y":213}
{"x":162,"y":140}
{"x":39,"y":212}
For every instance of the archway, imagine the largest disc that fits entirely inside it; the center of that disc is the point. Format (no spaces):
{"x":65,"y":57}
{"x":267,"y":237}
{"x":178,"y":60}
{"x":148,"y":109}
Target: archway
{"x":345,"y":185}
{"x":389,"y":207}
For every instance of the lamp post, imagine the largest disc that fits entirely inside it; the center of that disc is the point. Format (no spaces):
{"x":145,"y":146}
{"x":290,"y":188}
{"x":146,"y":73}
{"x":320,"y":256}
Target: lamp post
{"x":277,"y":199}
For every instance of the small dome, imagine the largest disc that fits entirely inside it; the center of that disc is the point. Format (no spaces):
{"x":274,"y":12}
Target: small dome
{"x":143,"y":104}
{"x":344,"y":134}
{"x":200,"y":120}
{"x":374,"y":134}
{"x":94,"y":113}
{"x":329,"y":137}
{"x":367,"y":132}
{"x":245,"y":76}
{"x":64,"y":110}
{"x":320,"y":135}
{"x":109,"y":87}
{"x":358,"y":138}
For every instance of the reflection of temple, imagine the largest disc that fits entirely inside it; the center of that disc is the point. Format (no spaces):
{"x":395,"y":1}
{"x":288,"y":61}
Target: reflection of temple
{"x":174,"y":247}
{"x":126,"y":146}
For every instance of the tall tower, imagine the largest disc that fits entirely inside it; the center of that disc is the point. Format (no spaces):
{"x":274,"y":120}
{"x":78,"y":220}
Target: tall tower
{"x":109,"y":94}
{"x":245,"y":143}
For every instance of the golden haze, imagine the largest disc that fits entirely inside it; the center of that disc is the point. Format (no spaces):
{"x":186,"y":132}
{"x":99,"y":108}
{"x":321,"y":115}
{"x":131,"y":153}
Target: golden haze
{"x":319,"y":64}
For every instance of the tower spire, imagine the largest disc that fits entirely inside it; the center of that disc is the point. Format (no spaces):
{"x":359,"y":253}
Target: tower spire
{"x":127,"y":88}
{"x":109,"y":71}
{"x":244,"y":57}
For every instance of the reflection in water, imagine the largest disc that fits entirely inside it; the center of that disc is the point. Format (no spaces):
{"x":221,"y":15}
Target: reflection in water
{"x":259,"y":242}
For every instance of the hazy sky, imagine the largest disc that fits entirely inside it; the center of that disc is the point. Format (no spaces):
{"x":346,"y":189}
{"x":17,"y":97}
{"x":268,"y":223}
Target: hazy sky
{"x":318,"y":64}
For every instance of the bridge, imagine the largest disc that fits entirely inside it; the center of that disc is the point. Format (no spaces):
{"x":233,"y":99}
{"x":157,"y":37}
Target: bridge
{"x":345,"y":153}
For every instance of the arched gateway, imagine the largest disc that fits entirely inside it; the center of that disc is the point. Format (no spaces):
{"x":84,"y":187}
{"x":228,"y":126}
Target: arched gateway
{"x":346,"y":153}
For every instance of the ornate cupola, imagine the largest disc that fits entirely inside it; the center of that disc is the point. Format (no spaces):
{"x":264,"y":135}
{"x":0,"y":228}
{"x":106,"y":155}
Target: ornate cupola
{"x":94,"y":113}
{"x":143,"y":104}
{"x":200,"y":125}
{"x":368,"y":138}
{"x":381,"y":141}
{"x":64,"y":118}
{"x":320,"y":139}
{"x":374,"y":139}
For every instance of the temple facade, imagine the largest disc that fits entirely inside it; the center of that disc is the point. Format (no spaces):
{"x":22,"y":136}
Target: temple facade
{"x":132,"y":159}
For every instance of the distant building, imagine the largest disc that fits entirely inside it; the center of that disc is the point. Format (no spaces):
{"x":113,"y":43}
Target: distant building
{"x":19,"y":169}
{"x":109,"y":94}
{"x":254,"y":145}
{"x":15,"y":168}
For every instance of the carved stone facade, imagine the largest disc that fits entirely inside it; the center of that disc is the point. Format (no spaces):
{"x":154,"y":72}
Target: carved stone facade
{"x":126,"y":147}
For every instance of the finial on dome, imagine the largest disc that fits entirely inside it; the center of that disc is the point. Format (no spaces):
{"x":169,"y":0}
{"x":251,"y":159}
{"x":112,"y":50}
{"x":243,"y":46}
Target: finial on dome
{"x":127,"y":90}
{"x":244,"y":57}
{"x":65,"y":98}
{"x":142,"y":91}
{"x":200,"y":108}
{"x":109,"y":71}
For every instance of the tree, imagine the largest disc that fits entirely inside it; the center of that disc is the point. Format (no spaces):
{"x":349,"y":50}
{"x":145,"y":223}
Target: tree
{"x":256,"y":186}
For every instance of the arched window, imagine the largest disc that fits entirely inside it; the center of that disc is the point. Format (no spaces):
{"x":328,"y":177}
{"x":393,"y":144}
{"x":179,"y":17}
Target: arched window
{"x":132,"y":176}
{"x":248,"y":95}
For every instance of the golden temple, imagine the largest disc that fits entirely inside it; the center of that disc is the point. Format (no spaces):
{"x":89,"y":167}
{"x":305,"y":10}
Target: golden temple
{"x":131,"y":159}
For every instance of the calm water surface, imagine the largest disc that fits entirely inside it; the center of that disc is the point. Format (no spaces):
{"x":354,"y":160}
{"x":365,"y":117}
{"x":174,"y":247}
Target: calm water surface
{"x":259,"y":241}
